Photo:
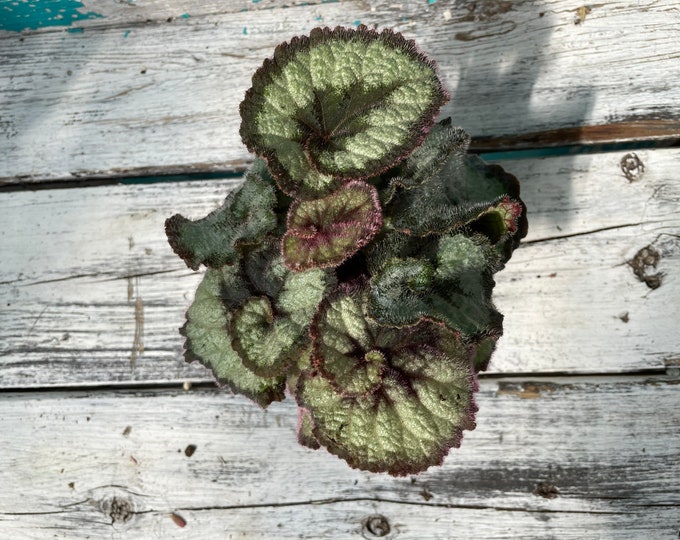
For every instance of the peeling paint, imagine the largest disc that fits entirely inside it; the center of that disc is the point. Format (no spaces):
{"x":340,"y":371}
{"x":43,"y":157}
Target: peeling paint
{"x":24,"y":15}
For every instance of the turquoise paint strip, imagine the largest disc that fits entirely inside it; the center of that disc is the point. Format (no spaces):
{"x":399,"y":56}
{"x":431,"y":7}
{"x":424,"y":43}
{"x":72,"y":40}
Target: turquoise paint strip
{"x":18,"y":16}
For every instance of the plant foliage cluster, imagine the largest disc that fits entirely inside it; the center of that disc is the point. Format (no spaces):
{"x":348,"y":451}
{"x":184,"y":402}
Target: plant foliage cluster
{"x":354,"y":266}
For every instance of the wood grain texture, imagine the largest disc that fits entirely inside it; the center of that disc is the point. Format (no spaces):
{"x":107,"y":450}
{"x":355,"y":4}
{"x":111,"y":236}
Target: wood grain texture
{"x":98,"y":441}
{"x":595,"y":458}
{"x":85,"y":270}
{"x":125,"y":97}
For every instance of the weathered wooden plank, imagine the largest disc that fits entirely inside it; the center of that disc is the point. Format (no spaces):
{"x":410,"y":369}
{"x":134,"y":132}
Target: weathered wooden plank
{"x":163,"y":97}
{"x":333,"y":520}
{"x":87,"y":270}
{"x":595,"y":458}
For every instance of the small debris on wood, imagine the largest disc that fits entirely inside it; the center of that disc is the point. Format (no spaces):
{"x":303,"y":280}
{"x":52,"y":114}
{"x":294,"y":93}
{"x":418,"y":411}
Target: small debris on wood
{"x":189,"y":450}
{"x":624,"y":316}
{"x":72,"y":485}
{"x":426,"y":494}
{"x":127,"y":431}
{"x":581,"y":14}
{"x":546,"y":490}
{"x":178,"y":520}
{"x":186,"y":386}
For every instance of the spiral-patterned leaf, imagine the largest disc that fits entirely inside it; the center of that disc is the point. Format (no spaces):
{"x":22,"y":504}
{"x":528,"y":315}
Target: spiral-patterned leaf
{"x":208,"y":341}
{"x":410,"y":412}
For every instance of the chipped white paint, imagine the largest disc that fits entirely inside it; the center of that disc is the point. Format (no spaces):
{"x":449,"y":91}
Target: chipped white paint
{"x":126,"y":97}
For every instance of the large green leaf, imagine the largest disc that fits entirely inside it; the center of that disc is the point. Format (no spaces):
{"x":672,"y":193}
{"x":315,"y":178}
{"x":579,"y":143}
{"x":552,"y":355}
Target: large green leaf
{"x":208,"y":341}
{"x":324,"y":232}
{"x":337,"y":105}
{"x":246,"y":216}
{"x":401,"y":418}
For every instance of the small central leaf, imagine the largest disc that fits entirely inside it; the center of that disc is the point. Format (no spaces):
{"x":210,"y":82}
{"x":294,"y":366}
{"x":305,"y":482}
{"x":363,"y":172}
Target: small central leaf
{"x":324,"y":232}
{"x":338,"y":105}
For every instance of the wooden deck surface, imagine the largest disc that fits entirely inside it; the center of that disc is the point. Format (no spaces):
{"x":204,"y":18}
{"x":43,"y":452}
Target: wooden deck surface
{"x":107,"y":433}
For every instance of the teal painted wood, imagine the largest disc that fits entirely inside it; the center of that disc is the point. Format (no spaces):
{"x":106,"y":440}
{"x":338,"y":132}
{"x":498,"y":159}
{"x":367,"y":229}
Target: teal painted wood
{"x":20,"y":16}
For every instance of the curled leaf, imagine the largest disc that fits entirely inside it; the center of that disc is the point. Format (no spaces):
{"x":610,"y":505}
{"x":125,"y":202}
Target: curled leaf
{"x":324,"y":232}
{"x":246,"y":216}
{"x":271,"y":337}
{"x":410,"y":413}
{"x":499,"y":221}
{"x":337,"y":105}
{"x":443,"y":144}
{"x":477,"y":181}
{"x":208,"y":341}
{"x":455,"y":289}
{"x":460,"y":191}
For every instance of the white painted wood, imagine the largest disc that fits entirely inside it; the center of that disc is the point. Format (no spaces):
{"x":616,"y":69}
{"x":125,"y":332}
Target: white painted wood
{"x":609,"y":447}
{"x":125,"y":98}
{"x":68,"y":311}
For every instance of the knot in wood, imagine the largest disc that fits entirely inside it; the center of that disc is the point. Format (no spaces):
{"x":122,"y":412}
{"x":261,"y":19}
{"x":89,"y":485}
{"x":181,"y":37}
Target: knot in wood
{"x":644,"y":263}
{"x":120,"y":510}
{"x":632,"y":167}
{"x":376,"y":526}
{"x":546,"y":490}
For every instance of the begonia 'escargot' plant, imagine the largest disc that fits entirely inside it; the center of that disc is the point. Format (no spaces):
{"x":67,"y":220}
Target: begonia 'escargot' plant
{"x":353,"y":269}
